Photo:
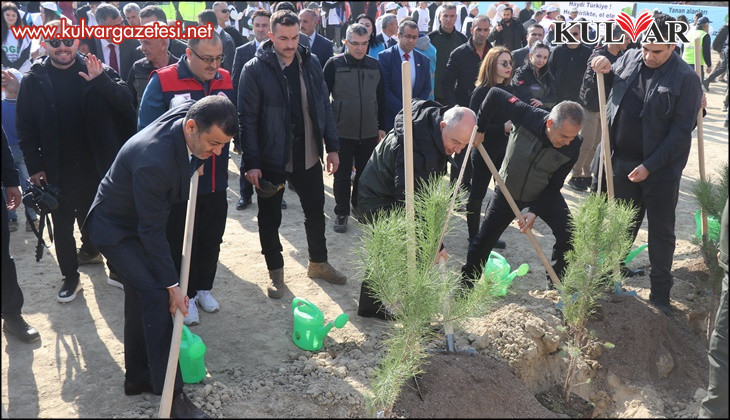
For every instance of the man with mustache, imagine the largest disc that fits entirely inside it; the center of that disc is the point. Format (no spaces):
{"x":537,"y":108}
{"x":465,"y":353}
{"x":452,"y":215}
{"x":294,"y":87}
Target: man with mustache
{"x":285,"y":112}
{"x":196,"y":75}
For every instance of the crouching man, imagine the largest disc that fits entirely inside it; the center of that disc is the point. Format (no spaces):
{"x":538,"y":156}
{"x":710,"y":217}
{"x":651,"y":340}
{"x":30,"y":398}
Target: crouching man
{"x":541,"y":151}
{"x":437,"y":134}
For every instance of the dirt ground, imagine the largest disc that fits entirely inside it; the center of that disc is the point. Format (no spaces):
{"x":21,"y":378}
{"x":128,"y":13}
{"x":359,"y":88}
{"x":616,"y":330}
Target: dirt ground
{"x":658,"y":368}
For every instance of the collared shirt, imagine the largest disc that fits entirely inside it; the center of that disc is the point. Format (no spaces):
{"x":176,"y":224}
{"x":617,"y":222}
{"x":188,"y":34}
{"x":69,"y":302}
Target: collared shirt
{"x":412,"y":61}
{"x":106,"y":51}
{"x":311,"y":38}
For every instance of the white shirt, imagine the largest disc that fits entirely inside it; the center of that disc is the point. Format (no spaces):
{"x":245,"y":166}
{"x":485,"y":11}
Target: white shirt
{"x":106,"y":51}
{"x":311,"y":38}
{"x":402,"y":13}
{"x":423,"y":19}
{"x":412,"y":61}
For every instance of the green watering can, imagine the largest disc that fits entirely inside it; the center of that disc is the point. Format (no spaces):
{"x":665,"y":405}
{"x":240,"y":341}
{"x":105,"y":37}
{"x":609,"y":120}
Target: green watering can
{"x":309,"y":327}
{"x":192,"y":357}
{"x":498,"y":267}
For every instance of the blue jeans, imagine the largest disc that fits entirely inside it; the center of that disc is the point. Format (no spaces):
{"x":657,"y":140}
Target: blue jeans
{"x":23,"y":175}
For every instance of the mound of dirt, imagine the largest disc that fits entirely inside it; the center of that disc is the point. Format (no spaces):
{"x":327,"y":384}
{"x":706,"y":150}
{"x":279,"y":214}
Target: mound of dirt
{"x":461,"y":385}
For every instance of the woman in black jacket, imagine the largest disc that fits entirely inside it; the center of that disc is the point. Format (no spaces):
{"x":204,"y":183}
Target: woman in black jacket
{"x":533,"y":83}
{"x":496,"y":70}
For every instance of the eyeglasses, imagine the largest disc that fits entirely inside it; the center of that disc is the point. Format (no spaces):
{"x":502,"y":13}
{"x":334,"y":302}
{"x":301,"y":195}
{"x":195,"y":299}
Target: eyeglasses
{"x":507,"y":64}
{"x":55,"y":43}
{"x":224,"y":11}
{"x":411,"y":37}
{"x":210,"y":60}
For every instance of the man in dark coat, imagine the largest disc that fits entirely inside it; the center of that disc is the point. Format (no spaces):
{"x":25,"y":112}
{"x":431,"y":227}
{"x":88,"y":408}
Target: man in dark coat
{"x":127,"y":222}
{"x":508,"y":32}
{"x":73,"y":114}
{"x":285,"y":112}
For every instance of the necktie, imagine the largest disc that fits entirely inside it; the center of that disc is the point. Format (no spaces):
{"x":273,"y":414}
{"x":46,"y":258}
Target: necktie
{"x":194,"y":164}
{"x":113,"y":58}
{"x":406,"y":57}
{"x":305,"y":40}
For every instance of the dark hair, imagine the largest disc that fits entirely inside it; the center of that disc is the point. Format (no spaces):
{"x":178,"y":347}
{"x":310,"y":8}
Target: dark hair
{"x":208,"y":16}
{"x":682,"y":18}
{"x":105,"y":12}
{"x":18,"y":21}
{"x":409,"y":23}
{"x":536,"y":26}
{"x":508,"y":8}
{"x":261,"y":12}
{"x":373,"y":38}
{"x":539,"y":13}
{"x":539,"y":44}
{"x":155,"y":11}
{"x":215,"y":38}
{"x":285,"y":5}
{"x":661,"y":23}
{"x":214,"y":110}
{"x":283,"y":17}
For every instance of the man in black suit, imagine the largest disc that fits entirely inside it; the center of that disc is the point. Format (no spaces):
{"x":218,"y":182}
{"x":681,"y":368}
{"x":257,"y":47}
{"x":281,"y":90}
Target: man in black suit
{"x":154,"y":13}
{"x":318,"y":45}
{"x":390,"y":31}
{"x":122,"y":56}
{"x":229,"y":47}
{"x":244,"y":54}
{"x":128,"y":220}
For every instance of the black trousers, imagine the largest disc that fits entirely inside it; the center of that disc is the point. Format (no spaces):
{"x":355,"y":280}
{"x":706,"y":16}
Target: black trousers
{"x":499,"y":217}
{"x":243,"y":184}
{"x":461,"y":159}
{"x":658,"y":201}
{"x":357,"y":151}
{"x":78,"y":188}
{"x":147,"y":320}
{"x":12,"y":298}
{"x":479,"y":183}
{"x":210,"y":224}
{"x":309,"y":186}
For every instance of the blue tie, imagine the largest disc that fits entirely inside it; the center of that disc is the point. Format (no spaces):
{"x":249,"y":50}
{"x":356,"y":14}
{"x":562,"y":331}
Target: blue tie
{"x":194,"y":164}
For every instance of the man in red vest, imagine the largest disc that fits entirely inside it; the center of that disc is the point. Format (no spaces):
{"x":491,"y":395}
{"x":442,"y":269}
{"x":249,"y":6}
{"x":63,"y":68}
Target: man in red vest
{"x":196,"y":75}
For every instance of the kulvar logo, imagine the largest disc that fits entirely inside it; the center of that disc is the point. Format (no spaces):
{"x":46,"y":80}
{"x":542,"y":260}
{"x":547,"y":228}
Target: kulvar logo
{"x":644,"y":24}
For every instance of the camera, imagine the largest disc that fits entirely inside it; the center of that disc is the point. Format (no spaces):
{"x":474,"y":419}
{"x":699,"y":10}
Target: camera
{"x":43,"y":199}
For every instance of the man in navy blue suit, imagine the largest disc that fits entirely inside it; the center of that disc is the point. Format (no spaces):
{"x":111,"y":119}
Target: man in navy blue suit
{"x":128,"y":221}
{"x":320,"y":46}
{"x":390,"y":65}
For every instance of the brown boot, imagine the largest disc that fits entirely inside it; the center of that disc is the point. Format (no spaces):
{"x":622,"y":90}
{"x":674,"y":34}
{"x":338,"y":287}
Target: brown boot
{"x":325,"y":272}
{"x":276,"y":290}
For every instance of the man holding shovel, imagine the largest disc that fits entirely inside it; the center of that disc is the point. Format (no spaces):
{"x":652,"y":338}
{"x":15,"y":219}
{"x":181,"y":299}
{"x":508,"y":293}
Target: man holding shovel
{"x":652,"y":110}
{"x":128,"y":220}
{"x":541,"y":151}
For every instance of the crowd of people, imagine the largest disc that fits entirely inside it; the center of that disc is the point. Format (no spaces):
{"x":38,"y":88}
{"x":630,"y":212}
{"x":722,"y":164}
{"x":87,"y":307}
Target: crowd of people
{"x":119,"y":129}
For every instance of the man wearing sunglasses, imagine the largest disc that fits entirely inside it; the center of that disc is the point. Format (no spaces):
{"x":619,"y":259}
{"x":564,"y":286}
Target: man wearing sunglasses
{"x":229,"y":47}
{"x":73,"y":114}
{"x":196,"y":75}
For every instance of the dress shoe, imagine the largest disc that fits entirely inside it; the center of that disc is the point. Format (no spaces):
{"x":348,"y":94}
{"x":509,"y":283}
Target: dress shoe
{"x":243,"y":203}
{"x":134,"y":388}
{"x":324,"y":271}
{"x":577,"y":184}
{"x":183,"y":408}
{"x":16,"y":325}
{"x":626,"y":272}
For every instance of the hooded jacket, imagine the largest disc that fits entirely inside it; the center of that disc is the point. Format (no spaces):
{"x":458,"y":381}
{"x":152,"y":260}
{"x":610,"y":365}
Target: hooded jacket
{"x":264,"y":109}
{"x":383,"y":183}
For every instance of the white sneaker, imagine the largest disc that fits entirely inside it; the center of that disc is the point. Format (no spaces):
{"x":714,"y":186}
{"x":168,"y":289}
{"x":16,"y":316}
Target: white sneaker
{"x":193,"y":318}
{"x":207,"y":302}
{"x":114,"y":280}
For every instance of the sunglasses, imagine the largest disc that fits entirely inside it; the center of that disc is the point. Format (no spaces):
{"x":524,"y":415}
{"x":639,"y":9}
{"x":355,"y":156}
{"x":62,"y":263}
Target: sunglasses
{"x":507,"y":64}
{"x":55,"y":43}
{"x":224,"y":11}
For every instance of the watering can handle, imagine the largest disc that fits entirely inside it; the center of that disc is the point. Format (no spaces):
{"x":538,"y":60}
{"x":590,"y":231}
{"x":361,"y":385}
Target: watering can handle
{"x":297,"y":301}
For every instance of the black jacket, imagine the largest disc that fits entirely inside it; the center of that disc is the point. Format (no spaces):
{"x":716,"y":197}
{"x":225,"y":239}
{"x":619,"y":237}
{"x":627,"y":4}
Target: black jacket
{"x":383,"y":183}
{"x":567,"y":67}
{"x":462,"y":69}
{"x":264,"y":114}
{"x":512,"y":36}
{"x":588,"y":96}
{"x":527,"y":86}
{"x":495,"y":139}
{"x":445,"y":43}
{"x":108,"y":107}
{"x":9,"y":174}
{"x":669,"y":114}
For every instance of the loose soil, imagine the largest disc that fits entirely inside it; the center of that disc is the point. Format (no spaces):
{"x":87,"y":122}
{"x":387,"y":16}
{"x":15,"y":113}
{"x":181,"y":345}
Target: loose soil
{"x":657,"y":369}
